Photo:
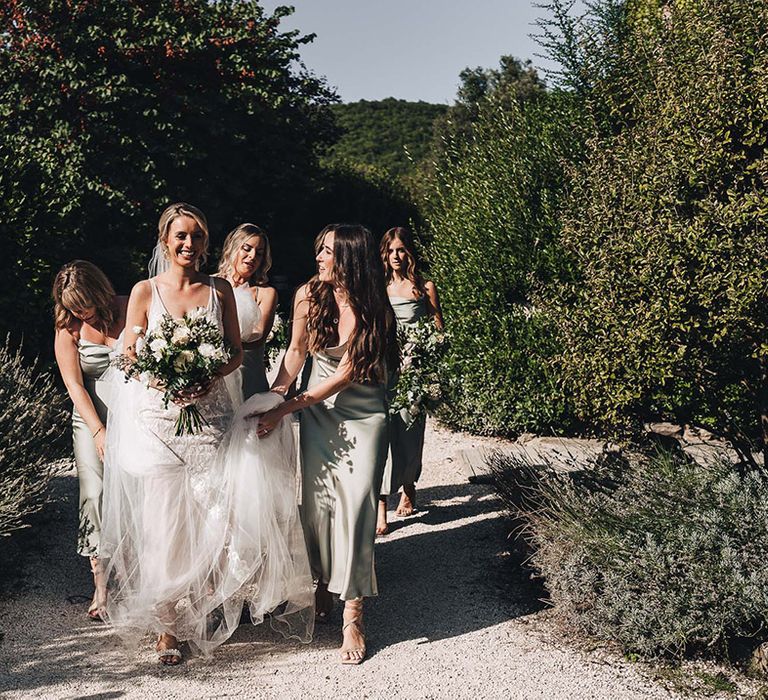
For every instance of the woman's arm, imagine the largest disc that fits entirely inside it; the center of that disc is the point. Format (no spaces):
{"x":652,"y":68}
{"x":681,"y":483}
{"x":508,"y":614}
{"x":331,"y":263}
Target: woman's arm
{"x":65,"y":350}
{"x":433,"y":302}
{"x":136,"y":316}
{"x":337,"y":382}
{"x":266,"y":298}
{"x":296,"y":353}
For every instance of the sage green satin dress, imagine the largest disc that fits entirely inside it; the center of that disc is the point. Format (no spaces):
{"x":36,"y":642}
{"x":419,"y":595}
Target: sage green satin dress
{"x":94,"y":360}
{"x":343,"y":450}
{"x":406,"y":434}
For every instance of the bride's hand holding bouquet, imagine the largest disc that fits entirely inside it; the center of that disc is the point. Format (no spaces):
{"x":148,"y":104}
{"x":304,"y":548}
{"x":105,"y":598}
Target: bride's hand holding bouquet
{"x":181,"y":358}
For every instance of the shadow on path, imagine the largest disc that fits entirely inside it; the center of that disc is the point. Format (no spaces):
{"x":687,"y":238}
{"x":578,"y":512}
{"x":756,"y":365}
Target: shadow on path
{"x":443,"y":573}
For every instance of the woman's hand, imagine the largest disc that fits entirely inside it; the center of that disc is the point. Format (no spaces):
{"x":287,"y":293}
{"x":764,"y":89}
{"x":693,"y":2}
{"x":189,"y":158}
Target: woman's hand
{"x":267,"y":421}
{"x":194,"y":392}
{"x":99,"y":440}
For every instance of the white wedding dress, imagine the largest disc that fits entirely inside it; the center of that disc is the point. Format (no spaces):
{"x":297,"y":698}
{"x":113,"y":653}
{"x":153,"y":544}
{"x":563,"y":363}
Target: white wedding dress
{"x":197,"y":525}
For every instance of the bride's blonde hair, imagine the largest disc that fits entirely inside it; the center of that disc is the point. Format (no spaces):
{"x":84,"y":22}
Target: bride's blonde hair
{"x":173,"y":212}
{"x":79,"y":285}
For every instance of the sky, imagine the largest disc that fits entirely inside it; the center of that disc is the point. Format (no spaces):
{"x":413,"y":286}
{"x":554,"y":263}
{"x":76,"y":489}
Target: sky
{"x":410,"y":49}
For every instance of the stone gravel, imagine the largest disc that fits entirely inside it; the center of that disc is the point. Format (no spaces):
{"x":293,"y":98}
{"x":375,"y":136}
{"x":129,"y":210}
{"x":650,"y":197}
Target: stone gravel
{"x":455,"y":618}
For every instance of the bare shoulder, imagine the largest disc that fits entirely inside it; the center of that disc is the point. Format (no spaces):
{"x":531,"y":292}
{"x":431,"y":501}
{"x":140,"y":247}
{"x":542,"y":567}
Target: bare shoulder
{"x":221,"y":285}
{"x":302,"y":293}
{"x":142,"y":291}
{"x":265,"y":292}
{"x":430,"y":287}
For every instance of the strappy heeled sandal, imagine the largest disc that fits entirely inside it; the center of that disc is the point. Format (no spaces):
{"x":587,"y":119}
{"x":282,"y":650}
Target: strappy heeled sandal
{"x":164,"y":656}
{"x":96,"y":611}
{"x":354,"y":656}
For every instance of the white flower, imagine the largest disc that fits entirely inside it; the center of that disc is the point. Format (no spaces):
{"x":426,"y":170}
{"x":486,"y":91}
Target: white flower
{"x":184,"y":358}
{"x":220,"y":354}
{"x":197,"y":313}
{"x":157,"y":346}
{"x":138,"y":330}
{"x":181,"y":335}
{"x":207,"y":350}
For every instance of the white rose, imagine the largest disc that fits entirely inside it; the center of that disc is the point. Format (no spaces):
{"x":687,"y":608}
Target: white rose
{"x":157,"y":346}
{"x":184,"y":358}
{"x":180,"y":335}
{"x":138,"y":330}
{"x":207,"y":350}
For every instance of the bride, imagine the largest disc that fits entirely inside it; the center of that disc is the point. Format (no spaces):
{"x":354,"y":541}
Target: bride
{"x":197,"y":525}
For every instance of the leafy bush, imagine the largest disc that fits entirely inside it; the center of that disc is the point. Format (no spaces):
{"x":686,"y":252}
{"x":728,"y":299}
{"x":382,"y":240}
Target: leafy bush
{"x":492,"y":226}
{"x":33,"y":425}
{"x":662,"y":555}
{"x":665,"y":221}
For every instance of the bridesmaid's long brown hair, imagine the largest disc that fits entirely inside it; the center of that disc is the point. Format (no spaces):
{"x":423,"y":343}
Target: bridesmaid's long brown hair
{"x":372,"y":348}
{"x":78,"y":285}
{"x":411,"y":267}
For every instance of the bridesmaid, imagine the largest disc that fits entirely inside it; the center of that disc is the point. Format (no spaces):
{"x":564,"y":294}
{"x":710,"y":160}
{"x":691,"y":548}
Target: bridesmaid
{"x":89,"y":318}
{"x":245,"y":261}
{"x":412,"y":299}
{"x":342,"y":317}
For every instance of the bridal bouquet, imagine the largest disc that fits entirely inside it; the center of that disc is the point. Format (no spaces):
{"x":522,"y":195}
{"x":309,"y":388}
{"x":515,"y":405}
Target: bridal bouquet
{"x":419,"y":387}
{"x":179,"y":355}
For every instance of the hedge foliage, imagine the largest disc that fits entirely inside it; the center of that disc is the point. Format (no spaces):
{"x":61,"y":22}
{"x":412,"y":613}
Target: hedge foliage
{"x":665,"y":225}
{"x":492,"y":229}
{"x":626,"y":209}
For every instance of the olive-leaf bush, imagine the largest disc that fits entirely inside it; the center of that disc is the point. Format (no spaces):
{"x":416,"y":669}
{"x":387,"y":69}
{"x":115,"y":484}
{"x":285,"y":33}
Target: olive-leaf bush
{"x":661,"y":554}
{"x":665,"y":224}
{"x":33,"y":426}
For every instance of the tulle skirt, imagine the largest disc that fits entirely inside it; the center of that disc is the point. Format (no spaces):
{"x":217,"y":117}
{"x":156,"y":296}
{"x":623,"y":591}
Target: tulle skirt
{"x":196,"y":526}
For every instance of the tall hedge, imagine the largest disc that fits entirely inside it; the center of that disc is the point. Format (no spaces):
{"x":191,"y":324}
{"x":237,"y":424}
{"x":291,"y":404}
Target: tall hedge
{"x":492,"y":214}
{"x":665,"y":223}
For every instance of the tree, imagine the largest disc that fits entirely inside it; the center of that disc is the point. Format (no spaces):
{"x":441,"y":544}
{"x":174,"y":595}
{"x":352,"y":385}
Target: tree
{"x":111,"y":109}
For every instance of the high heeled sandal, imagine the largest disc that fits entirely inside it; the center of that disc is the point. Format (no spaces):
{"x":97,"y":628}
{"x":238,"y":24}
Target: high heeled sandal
{"x":164,"y":656}
{"x":357,"y":621}
{"x":96,"y":610}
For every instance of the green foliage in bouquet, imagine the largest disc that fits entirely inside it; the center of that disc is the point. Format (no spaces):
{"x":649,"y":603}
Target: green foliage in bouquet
{"x":179,"y":356}
{"x":34,"y":425}
{"x":661,"y":554}
{"x":277,"y":340}
{"x":420,"y":386}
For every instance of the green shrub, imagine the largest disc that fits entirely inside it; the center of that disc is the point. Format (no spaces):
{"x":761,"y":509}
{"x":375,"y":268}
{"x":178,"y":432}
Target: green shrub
{"x":665,"y":222}
{"x":492,"y":226}
{"x":662,"y":555}
{"x":33,"y":425}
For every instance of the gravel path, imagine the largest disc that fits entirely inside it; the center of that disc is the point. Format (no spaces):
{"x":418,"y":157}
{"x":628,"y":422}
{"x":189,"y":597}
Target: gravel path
{"x":456,"y":618}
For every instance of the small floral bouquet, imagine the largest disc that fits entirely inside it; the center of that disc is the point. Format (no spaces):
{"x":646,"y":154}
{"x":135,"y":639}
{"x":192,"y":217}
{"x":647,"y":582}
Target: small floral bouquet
{"x":277,"y":340}
{"x":419,"y":387}
{"x":179,"y":355}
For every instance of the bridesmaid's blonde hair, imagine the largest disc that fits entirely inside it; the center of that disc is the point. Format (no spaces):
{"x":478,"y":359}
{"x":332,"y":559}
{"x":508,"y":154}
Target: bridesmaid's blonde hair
{"x":173,"y":212}
{"x":80,"y":285}
{"x":232,"y":244}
